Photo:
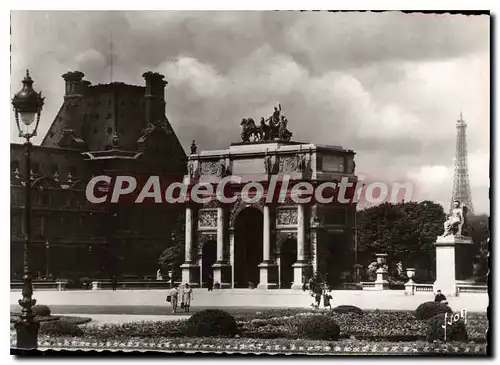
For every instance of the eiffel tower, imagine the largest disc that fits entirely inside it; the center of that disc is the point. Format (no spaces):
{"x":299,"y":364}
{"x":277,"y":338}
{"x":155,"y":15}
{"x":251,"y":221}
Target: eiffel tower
{"x":461,"y":186}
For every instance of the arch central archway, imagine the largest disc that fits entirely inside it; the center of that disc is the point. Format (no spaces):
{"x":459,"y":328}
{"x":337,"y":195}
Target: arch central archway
{"x":247,"y":247}
{"x":288,"y":257}
{"x":209,"y":256}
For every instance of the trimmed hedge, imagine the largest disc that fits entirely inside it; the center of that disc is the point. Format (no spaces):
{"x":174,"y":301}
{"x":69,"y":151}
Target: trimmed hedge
{"x":211,"y":322}
{"x":136,"y":329}
{"x":347,"y":309}
{"x":457,"y":331}
{"x":60,"y":328}
{"x":319,"y":327}
{"x":430,"y":309}
{"x":41,"y":310}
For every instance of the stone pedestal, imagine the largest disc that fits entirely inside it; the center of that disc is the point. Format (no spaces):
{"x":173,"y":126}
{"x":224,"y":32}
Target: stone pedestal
{"x":410,"y":287}
{"x":191,"y":274}
{"x":27,"y":335}
{"x":299,"y":271}
{"x":381,"y":283}
{"x":445,"y":263}
{"x":222,"y":274}
{"x":268,"y":276}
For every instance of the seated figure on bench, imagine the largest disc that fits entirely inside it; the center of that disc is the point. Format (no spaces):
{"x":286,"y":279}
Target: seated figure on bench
{"x":456,"y":220}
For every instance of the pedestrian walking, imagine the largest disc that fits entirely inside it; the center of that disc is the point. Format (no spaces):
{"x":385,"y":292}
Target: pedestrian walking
{"x":310,"y":284}
{"x":326,"y":299}
{"x":210,"y":283}
{"x":187,"y":296}
{"x":172,"y":297}
{"x":318,"y":292}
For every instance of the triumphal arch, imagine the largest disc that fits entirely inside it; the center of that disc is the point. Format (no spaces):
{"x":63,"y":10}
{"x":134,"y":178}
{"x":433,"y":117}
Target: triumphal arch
{"x":267,"y":240}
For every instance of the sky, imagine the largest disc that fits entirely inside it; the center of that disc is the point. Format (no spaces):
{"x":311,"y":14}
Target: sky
{"x":388,"y":85}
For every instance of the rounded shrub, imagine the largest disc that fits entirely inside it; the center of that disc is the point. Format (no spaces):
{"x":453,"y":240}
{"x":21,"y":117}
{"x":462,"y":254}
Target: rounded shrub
{"x":347,"y":309}
{"x":430,"y":309}
{"x":61,"y":328}
{"x":456,"y":331}
{"x":318,"y":328}
{"x":211,"y":322}
{"x":41,"y":310}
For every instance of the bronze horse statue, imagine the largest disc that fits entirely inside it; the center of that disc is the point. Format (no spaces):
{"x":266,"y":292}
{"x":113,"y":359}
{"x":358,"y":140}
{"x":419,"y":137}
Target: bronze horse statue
{"x":249,"y":130}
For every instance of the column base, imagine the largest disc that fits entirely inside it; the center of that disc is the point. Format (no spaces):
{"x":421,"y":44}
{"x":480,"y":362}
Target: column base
{"x":222,"y":274}
{"x":300,"y":269}
{"x":268,"y":275}
{"x":191,"y":274}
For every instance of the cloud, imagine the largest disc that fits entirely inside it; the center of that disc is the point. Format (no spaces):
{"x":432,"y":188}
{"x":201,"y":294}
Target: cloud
{"x":388,"y":85}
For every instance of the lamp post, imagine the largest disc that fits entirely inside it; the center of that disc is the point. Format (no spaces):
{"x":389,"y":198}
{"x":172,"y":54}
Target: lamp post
{"x":27,"y":105}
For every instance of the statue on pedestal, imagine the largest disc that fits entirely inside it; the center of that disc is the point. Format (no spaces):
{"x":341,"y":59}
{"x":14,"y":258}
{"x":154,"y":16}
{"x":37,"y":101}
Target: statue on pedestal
{"x":193,"y":147}
{"x":455,"y":223}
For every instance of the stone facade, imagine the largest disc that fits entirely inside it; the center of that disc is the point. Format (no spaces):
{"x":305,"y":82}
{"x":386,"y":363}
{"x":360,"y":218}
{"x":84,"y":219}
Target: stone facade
{"x":101,"y":128}
{"x":283,"y":242}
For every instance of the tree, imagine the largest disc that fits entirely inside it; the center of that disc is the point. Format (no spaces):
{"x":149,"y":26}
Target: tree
{"x":173,"y":256}
{"x":479,"y":230}
{"x":405,"y":231}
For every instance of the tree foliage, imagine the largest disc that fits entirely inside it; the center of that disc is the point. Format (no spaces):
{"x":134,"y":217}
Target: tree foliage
{"x":173,"y":256}
{"x":479,"y":230}
{"x":405,"y":231}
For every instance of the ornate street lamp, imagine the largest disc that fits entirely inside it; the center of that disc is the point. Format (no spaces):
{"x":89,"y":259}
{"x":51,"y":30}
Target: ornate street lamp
{"x":27,"y":105}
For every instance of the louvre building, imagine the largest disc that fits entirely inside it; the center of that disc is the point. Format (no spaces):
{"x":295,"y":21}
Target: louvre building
{"x":99,"y":129}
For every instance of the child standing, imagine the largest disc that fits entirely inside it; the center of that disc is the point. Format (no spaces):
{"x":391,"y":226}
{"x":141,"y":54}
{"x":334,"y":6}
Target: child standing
{"x":187,"y":296}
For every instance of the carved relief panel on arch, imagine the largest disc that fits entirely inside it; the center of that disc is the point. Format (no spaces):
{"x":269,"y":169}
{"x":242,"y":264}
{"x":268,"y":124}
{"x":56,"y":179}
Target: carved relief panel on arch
{"x":286,"y":216}
{"x":211,"y":168}
{"x":207,"y":219}
{"x":289,"y":163}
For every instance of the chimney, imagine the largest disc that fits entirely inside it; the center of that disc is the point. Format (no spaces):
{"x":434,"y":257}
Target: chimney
{"x":85,"y":85}
{"x":74,"y":84}
{"x":155,"y":97}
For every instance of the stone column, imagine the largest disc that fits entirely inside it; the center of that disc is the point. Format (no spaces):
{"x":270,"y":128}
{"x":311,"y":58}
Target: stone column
{"x":301,"y":222}
{"x":231,"y":256}
{"x":220,"y":234}
{"x":222,"y":269}
{"x":266,"y":235}
{"x":445,"y":263}
{"x":314,"y":251}
{"x":268,"y":269}
{"x":188,"y":242}
{"x":299,"y":268}
{"x":190,"y":269}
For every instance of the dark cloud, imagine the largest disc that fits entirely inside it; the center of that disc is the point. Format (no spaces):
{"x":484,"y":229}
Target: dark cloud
{"x":389,"y":85}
